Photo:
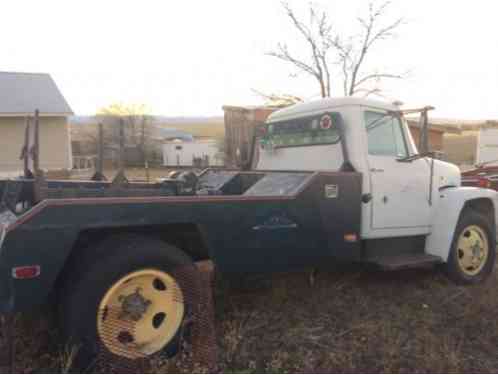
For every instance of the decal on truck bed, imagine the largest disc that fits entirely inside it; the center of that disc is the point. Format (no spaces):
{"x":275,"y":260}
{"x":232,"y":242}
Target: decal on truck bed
{"x":331,"y":191}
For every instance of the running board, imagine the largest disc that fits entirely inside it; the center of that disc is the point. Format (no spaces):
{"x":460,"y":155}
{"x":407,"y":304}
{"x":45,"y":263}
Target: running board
{"x":399,"y":262}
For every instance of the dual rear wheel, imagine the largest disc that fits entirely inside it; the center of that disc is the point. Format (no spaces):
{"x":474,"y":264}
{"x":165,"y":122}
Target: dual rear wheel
{"x":149,"y":305}
{"x":124,"y":298}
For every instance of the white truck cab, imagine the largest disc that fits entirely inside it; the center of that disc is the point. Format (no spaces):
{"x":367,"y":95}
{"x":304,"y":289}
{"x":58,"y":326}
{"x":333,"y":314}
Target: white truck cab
{"x":405,"y":195}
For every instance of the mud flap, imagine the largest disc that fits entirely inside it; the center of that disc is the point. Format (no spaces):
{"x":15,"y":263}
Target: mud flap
{"x":7,"y":347}
{"x":6,"y":320}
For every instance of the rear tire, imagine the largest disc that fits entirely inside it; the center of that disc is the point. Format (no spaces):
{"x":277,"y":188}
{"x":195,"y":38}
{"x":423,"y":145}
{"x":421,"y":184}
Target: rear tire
{"x":473,"y":251}
{"x":100,"y":286}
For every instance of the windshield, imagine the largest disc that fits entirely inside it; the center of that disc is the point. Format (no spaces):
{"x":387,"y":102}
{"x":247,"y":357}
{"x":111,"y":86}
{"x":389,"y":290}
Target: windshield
{"x":306,"y":131}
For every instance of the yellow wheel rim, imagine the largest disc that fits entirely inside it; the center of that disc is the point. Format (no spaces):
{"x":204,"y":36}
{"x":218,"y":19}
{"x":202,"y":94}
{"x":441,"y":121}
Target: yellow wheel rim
{"x":140,"y":314}
{"x":472,"y":250}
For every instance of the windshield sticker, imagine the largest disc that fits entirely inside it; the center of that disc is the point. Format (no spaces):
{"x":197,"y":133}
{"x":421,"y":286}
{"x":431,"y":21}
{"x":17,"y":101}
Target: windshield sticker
{"x":316,"y":130}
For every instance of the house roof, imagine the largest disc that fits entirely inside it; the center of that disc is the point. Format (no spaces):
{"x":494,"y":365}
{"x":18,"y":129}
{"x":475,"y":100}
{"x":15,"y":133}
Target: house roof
{"x":22,"y":93}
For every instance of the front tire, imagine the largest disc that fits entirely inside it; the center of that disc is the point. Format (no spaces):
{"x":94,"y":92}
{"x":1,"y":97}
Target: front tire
{"x":473,"y":250}
{"x":123,"y":298}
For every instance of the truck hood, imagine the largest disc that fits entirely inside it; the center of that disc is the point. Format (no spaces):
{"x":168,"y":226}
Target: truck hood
{"x":446,"y":174}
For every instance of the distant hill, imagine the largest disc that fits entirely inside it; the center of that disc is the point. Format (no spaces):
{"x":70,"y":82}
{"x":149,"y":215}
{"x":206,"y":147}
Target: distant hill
{"x":213,"y":127}
{"x":189,"y":120}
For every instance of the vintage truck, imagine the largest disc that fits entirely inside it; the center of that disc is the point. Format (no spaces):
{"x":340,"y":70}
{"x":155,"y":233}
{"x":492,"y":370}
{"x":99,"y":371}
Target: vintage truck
{"x":327,"y":181}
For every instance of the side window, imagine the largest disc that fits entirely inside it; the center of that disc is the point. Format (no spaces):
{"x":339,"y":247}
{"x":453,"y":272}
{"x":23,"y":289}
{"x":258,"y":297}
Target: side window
{"x":385,"y":135}
{"x":399,"y":137}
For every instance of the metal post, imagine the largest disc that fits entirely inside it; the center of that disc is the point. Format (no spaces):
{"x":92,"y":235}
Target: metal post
{"x":99,"y":172}
{"x":120,"y":177}
{"x":36,"y":146}
{"x":39,"y":177}
{"x":121,"y":145}
{"x":100,"y":162}
{"x":431,"y":182}
{"x":26,"y":152}
{"x":147,"y":174}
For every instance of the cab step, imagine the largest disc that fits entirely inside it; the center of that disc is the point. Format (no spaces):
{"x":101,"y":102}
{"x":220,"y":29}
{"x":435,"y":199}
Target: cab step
{"x":398,"y":262}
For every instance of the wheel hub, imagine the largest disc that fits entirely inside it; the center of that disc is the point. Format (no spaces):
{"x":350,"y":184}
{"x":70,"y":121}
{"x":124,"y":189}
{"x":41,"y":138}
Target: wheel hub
{"x":140,"y":313}
{"x":472,"y":250}
{"x":134,"y":305}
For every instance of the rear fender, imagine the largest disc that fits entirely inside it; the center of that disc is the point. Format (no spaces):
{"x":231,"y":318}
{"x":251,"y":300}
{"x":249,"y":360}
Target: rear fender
{"x":451,"y":203}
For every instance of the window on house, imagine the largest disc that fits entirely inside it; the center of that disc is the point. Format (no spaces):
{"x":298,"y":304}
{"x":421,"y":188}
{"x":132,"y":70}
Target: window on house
{"x":178,"y":147}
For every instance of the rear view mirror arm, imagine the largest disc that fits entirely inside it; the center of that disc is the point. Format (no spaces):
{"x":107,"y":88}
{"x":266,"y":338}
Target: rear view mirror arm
{"x":346,"y":165}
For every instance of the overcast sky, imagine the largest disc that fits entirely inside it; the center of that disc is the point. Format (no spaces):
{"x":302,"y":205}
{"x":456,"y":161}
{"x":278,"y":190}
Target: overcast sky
{"x":191,"y":57}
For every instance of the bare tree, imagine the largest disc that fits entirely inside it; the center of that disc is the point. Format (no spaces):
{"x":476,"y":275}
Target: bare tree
{"x":353,"y":52}
{"x":278,"y":100}
{"x":329,"y":51}
{"x":137,"y":125}
{"x":318,"y":35}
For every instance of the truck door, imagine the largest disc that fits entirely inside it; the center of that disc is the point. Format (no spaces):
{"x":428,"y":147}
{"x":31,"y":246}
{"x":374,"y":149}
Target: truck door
{"x":400,"y":190}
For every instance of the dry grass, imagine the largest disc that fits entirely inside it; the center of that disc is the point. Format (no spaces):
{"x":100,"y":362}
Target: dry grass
{"x":351,"y":320}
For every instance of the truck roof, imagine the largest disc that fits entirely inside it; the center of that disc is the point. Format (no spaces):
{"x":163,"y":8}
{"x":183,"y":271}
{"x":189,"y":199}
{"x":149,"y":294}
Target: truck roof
{"x":324,"y":105}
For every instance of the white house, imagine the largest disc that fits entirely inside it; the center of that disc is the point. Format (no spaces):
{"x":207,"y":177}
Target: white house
{"x":183,"y":154}
{"x":487,"y":145}
{"x":20,"y":95}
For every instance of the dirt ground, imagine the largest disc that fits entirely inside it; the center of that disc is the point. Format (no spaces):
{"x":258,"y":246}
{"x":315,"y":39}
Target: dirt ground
{"x":350,"y":320}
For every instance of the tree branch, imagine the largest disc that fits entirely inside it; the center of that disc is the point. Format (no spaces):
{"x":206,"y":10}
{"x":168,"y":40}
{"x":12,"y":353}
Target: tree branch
{"x":317,"y":35}
{"x":368,"y":92}
{"x":386,"y":32}
{"x":284,"y":55}
{"x":377,"y":76}
{"x":370,"y":37}
{"x":350,"y":52}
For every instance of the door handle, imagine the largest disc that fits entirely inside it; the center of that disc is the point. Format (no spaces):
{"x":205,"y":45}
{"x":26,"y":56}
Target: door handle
{"x":376,"y":170}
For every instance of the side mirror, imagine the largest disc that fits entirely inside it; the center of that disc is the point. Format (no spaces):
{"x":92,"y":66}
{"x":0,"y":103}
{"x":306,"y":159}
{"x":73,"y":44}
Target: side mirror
{"x":424,"y":130}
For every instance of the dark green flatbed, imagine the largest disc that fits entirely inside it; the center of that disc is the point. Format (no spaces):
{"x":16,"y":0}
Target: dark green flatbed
{"x":243,"y":221}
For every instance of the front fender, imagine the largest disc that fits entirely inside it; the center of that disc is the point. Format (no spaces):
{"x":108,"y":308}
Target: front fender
{"x":446,"y":214}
